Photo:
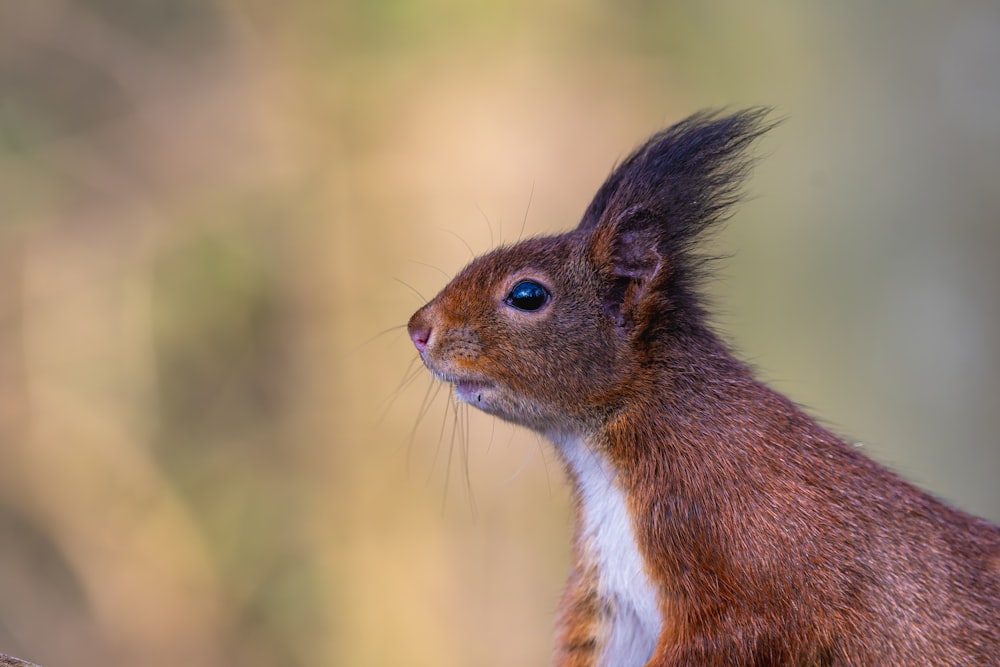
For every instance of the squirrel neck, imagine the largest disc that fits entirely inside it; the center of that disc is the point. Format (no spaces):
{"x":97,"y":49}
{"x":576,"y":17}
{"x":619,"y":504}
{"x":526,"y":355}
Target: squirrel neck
{"x":700,"y":456}
{"x":694,"y":400}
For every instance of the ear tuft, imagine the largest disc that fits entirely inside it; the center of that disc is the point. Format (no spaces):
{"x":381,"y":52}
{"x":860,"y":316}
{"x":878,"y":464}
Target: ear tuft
{"x":648,"y":216}
{"x":700,"y":161}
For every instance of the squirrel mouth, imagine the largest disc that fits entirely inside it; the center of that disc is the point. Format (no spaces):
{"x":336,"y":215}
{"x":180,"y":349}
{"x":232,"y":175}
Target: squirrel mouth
{"x":470,"y":390}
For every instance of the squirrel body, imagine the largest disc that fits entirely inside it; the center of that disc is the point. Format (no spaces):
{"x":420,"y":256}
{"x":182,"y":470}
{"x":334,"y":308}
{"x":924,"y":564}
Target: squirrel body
{"x":715,"y":522}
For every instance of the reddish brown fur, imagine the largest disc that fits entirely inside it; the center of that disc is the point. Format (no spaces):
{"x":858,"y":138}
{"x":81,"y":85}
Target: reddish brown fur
{"x":768,"y":539}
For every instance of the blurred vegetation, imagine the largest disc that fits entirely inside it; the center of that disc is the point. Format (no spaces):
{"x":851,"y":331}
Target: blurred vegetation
{"x":214,"y":215}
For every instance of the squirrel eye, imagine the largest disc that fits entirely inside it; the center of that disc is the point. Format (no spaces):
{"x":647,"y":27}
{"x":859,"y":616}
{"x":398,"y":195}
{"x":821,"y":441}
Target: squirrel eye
{"x":527,"y":295}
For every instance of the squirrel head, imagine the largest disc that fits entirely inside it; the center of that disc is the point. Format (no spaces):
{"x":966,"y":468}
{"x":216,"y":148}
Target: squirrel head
{"x":556,"y":333}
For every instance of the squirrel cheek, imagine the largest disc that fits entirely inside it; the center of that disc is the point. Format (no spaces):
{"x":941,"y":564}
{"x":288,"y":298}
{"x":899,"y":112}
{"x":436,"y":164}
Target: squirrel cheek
{"x":462,"y":345}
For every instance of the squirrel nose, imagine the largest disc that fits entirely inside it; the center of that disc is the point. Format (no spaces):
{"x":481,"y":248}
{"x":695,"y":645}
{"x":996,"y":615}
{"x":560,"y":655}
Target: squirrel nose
{"x":420,"y":335}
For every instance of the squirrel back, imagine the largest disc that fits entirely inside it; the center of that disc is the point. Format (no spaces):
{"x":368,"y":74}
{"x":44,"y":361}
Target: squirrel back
{"x":716,"y":523}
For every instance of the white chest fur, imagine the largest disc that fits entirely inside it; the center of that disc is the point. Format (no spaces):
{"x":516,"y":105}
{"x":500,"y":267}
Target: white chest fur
{"x":609,"y":542}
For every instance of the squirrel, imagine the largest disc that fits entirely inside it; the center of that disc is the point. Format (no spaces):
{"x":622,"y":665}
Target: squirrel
{"x":716,"y":523}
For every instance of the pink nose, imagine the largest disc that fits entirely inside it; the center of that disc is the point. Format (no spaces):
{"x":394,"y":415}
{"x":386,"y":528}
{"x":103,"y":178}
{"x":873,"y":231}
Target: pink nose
{"x":419,"y":335}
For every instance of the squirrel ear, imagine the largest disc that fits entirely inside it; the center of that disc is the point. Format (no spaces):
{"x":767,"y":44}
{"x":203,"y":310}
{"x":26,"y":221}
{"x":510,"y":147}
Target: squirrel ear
{"x":645,"y":221}
{"x":634,"y":252}
{"x":628,"y":257}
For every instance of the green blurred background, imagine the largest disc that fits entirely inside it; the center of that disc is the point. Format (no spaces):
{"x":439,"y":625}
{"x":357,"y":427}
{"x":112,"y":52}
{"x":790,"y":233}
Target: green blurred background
{"x":210,"y":209}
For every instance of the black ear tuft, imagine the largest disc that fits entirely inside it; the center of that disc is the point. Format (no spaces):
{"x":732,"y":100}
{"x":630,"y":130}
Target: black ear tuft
{"x":669,"y":192}
{"x":700,"y":161}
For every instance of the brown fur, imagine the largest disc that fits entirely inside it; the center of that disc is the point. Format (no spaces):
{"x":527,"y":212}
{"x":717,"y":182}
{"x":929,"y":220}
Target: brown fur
{"x":769,"y":540}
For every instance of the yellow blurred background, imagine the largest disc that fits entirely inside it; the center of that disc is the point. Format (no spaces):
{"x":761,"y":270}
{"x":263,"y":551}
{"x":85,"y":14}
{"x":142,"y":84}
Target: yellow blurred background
{"x":215,"y":215}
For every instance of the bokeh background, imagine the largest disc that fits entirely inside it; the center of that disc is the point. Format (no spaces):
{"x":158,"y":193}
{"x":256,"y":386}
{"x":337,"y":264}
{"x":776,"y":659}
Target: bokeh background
{"x":215,"y":447}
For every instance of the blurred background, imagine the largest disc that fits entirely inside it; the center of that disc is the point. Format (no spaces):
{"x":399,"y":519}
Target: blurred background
{"x":215,"y":216}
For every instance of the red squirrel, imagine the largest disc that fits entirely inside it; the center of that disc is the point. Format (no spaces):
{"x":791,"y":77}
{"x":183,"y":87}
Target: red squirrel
{"x":715,"y":522}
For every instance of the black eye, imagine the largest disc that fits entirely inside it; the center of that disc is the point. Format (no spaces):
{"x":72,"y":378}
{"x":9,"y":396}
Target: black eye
{"x":527,"y":295}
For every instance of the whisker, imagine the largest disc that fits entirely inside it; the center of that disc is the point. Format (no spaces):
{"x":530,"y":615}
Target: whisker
{"x":451,"y":454}
{"x":527,"y":208}
{"x":411,"y":288}
{"x":431,"y":266}
{"x":523,"y":466}
{"x":493,"y":430}
{"x":489,"y":225}
{"x":437,"y":450}
{"x":472,"y":253}
{"x":433,"y":389}
{"x":375,"y":337}
{"x":545,"y":464}
{"x":409,"y":376}
{"x":466,"y":451}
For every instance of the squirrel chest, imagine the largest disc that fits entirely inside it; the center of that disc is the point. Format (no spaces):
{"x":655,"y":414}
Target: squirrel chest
{"x":627,"y":621}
